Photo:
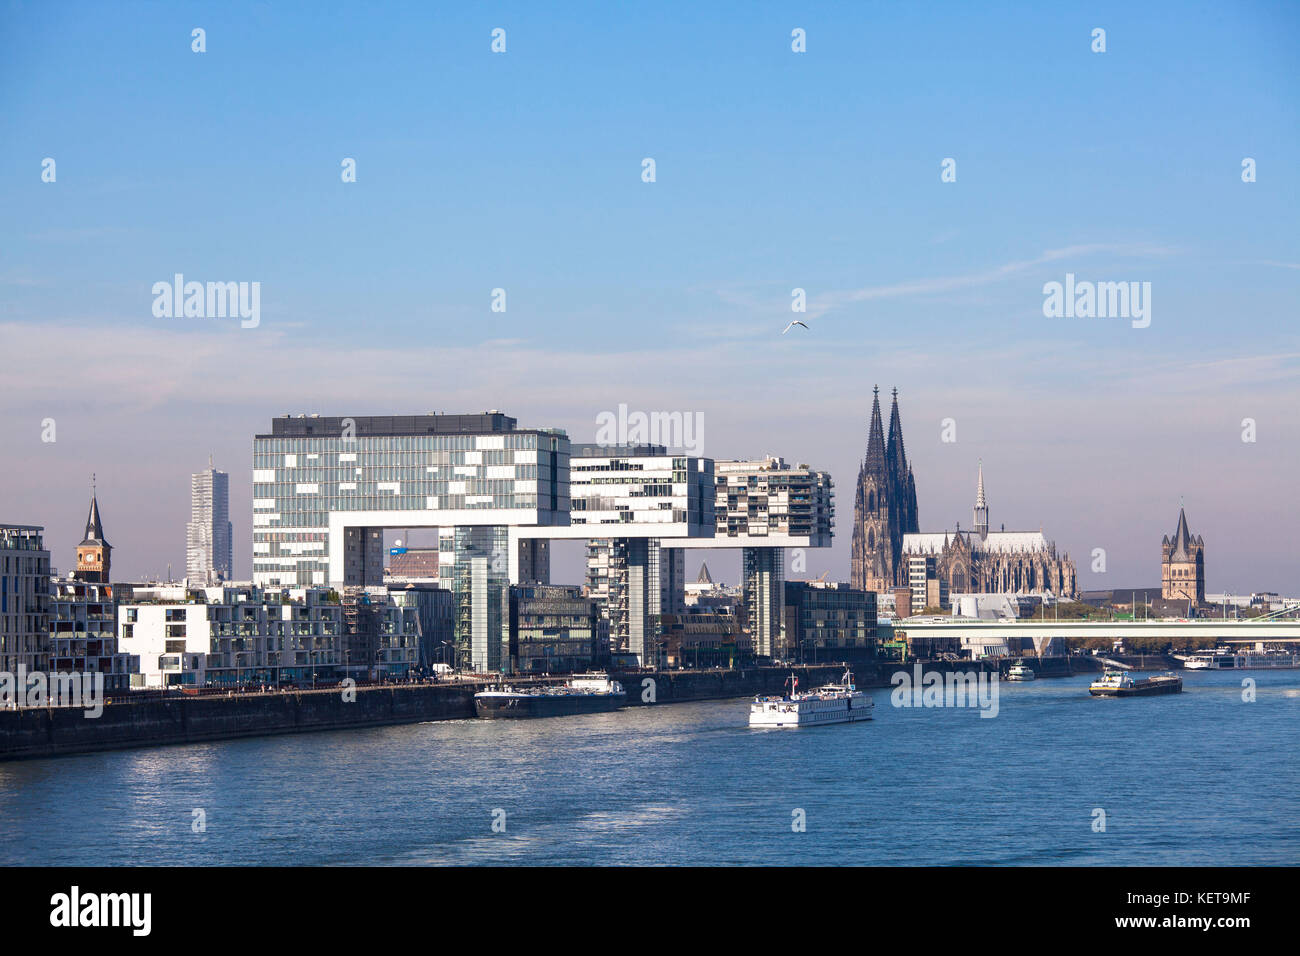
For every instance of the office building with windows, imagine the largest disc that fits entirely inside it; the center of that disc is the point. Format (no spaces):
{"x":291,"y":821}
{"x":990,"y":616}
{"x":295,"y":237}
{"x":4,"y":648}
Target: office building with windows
{"x":24,"y":599}
{"x":555,"y":630}
{"x":764,"y":506}
{"x":631,"y":502}
{"x":325,"y":488}
{"x":828,"y":621}
{"x":209,"y":549}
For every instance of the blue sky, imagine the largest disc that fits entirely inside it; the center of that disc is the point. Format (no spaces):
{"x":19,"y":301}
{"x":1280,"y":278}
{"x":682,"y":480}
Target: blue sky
{"x":775,"y":170}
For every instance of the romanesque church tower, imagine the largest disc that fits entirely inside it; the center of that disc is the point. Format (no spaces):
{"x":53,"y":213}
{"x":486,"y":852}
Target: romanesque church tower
{"x":1182,"y":565}
{"x":884,"y":506}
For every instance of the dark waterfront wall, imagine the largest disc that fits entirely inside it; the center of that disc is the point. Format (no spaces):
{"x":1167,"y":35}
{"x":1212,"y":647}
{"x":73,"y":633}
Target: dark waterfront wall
{"x":41,"y":732}
{"x":46,"y":732}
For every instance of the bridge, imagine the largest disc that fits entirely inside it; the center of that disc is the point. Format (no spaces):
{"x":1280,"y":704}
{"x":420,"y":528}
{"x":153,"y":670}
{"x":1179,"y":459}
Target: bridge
{"x":1202,"y":629}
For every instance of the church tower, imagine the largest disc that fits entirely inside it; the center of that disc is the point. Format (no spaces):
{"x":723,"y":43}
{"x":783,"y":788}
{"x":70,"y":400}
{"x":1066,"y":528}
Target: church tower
{"x":884,"y":506}
{"x":981,"y":507}
{"x":905,"y":519}
{"x":1182,"y":565}
{"x":94,"y":554}
{"x":871,"y":567}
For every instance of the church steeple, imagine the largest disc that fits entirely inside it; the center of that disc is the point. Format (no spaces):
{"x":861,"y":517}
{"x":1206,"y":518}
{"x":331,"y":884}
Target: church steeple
{"x":896,"y":453}
{"x":876,"y":437}
{"x":884,"y":507}
{"x":94,"y":526}
{"x":94,"y":554}
{"x":981,"y":506}
{"x":1182,"y":564}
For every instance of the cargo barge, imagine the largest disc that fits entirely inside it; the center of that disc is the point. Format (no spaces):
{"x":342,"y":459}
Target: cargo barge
{"x":1116,"y":683}
{"x":583,"y":694}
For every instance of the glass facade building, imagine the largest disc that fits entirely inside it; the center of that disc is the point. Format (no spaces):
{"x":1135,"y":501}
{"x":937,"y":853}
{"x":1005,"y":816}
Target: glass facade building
{"x":321,"y":485}
{"x":481,"y":592}
{"x":829,"y":621}
{"x":556,"y":630}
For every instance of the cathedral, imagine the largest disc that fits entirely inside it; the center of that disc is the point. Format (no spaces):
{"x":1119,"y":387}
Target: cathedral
{"x":890,"y":551}
{"x":884,"y":506}
{"x":981,"y":561}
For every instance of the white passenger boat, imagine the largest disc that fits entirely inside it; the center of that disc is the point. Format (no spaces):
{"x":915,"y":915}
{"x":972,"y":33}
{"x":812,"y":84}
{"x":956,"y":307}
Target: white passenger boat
{"x":1224,"y":659}
{"x":1020,"y":671}
{"x":1216,"y":660}
{"x":830,"y":704}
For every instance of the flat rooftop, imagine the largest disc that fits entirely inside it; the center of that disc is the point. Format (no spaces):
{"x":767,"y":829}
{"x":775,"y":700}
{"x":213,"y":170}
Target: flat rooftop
{"x":331,"y":426}
{"x":593,"y":450}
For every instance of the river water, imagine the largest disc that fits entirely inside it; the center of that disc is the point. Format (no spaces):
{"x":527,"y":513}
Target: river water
{"x":1195,"y":778}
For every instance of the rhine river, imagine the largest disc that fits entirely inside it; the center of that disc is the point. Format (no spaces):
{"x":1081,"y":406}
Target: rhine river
{"x":1195,"y":778}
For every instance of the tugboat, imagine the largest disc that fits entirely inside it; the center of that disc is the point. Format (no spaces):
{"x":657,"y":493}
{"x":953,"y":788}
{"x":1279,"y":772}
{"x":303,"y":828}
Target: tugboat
{"x":583,"y":694}
{"x":830,"y":704}
{"x":1020,"y":671}
{"x":1117,"y":683}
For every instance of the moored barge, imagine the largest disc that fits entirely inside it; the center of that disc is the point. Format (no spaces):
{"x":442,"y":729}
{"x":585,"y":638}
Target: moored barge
{"x":583,"y":694}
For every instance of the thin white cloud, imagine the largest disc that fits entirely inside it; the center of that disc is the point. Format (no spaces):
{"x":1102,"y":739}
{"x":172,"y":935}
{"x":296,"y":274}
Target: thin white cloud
{"x":822,"y":304}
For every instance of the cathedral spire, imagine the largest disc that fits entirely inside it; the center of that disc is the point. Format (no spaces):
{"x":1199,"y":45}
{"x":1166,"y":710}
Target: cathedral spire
{"x":876,"y":438}
{"x":897,"y":454}
{"x":981,"y":506}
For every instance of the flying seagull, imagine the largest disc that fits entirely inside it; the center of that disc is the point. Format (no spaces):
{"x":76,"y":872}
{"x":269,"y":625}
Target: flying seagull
{"x":792,"y":325}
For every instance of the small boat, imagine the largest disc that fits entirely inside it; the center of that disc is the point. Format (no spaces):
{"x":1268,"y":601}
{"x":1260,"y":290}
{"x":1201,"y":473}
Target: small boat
{"x":840,"y":703}
{"x":1021,"y":671}
{"x":583,"y":694}
{"x":1117,"y":683}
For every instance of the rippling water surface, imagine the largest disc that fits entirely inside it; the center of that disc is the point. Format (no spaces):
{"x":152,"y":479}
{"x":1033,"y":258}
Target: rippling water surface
{"x":1194,"y":778}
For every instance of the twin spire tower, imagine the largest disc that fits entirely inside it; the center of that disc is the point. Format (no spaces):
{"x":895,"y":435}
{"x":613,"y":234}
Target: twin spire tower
{"x":884,"y":505}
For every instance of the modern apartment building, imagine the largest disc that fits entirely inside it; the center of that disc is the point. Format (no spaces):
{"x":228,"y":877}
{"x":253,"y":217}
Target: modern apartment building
{"x":325,"y":488}
{"x":381,"y":632}
{"x":24,"y":598}
{"x":705,"y":637}
{"x":827,"y":621}
{"x":633,"y":500}
{"x":209,"y":550}
{"x":556,"y":630}
{"x":764,"y":506}
{"x":928,"y":588}
{"x":231,"y":634}
{"x":608,"y":580}
{"x":83,"y":633}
